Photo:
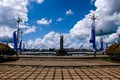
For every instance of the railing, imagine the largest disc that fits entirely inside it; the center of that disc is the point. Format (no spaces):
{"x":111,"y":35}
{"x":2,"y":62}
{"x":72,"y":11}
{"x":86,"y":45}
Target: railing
{"x":54,"y":53}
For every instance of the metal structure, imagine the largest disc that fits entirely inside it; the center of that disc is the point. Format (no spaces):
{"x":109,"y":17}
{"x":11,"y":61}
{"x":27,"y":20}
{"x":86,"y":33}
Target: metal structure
{"x":101,"y":40}
{"x":18,"y":29}
{"x":61,"y":41}
{"x":21,"y":42}
{"x":93,"y":17}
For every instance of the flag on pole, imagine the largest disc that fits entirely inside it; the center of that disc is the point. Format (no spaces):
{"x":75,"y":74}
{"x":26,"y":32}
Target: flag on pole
{"x":92,"y":35}
{"x":101,"y":44}
{"x":15,"y":40}
{"x":23,"y":46}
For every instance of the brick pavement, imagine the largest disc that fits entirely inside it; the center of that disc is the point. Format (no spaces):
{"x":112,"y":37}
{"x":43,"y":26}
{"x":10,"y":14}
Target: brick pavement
{"x":57,"y":68}
{"x":58,"y":73}
{"x":62,"y":62}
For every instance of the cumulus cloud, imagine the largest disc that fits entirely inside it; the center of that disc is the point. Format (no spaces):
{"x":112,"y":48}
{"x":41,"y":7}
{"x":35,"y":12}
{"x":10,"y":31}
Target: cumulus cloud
{"x":8,"y":14}
{"x":6,"y":34}
{"x":118,"y":31}
{"x":108,"y":12}
{"x":44,"y":21}
{"x":112,"y":38}
{"x":52,"y":40}
{"x":30,"y":30}
{"x":59,"y":19}
{"x":39,"y":1}
{"x":6,"y":31}
{"x":108,"y":15}
{"x":81,"y":29}
{"x":69,"y":12}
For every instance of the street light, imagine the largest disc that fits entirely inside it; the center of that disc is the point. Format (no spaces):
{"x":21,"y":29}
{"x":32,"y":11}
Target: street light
{"x":93,"y":33}
{"x":18,"y":23}
{"x":101,"y":40}
{"x":21,"y":41}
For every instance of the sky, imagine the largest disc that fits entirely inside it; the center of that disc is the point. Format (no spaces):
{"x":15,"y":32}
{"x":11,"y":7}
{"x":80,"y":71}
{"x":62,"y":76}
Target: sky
{"x":43,"y":21}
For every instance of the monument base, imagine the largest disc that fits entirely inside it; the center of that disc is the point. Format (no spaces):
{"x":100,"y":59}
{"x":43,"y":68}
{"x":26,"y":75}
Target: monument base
{"x":61,"y":52}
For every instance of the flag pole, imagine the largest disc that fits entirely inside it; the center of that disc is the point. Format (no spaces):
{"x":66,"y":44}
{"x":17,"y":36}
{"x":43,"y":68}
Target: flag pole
{"x":93,"y":41}
{"x":18,"y":22}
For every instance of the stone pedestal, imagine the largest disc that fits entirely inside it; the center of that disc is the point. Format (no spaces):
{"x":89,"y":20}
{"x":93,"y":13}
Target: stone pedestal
{"x":61,"y":51}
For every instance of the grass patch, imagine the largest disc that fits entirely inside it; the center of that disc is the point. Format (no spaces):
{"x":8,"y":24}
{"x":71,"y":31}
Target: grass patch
{"x":111,"y":59}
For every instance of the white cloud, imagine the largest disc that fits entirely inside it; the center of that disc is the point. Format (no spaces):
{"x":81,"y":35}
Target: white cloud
{"x":44,"y":21}
{"x":8,"y":14}
{"x":118,"y":31}
{"x":81,"y":29}
{"x":52,"y":40}
{"x":111,"y":38}
{"x":30,"y":42}
{"x":5,"y":31}
{"x":39,"y":1}
{"x":69,"y":12}
{"x":108,"y":12}
{"x":30,"y":30}
{"x":59,"y":19}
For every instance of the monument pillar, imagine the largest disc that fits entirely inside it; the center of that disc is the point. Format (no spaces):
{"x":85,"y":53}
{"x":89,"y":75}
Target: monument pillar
{"x":61,"y":51}
{"x":61,"y":41}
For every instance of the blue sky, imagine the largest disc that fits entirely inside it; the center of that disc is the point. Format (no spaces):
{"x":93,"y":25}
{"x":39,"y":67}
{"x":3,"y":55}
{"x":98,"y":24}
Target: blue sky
{"x":45,"y":20}
{"x":53,"y":10}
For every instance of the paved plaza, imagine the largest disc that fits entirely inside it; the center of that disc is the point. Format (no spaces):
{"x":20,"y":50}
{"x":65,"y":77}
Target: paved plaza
{"x":60,"y":61}
{"x":59,"y":68}
{"x":58,"y":73}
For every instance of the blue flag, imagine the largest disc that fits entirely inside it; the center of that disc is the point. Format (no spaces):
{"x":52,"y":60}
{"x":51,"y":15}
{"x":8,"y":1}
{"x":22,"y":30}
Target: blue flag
{"x":101,"y":44}
{"x":15,"y":40}
{"x":23,"y":46}
{"x":92,"y":35}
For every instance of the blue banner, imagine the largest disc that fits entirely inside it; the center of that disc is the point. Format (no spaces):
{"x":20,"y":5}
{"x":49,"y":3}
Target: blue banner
{"x":15,"y":40}
{"x":23,"y":46}
{"x":92,"y":35}
{"x":101,"y":44}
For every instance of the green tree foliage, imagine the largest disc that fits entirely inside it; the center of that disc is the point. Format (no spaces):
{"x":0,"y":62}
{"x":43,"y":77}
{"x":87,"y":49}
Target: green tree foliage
{"x":113,"y":50}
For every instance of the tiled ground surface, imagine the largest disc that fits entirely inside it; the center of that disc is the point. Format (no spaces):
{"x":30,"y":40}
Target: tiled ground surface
{"x":62,"y":62}
{"x":58,"y":73}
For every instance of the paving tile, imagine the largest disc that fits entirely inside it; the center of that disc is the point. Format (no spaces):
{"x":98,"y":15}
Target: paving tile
{"x":84,"y":77}
{"x":95,"y":78}
{"x":19,"y":79}
{"x":28,"y":79}
{"x":74,"y":77}
{"x":39,"y":73}
{"x":10,"y":79}
{"x":50,"y":79}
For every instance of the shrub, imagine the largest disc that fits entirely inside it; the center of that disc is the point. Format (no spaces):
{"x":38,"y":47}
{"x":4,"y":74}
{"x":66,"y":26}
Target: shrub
{"x":113,"y":50}
{"x":6,"y":50}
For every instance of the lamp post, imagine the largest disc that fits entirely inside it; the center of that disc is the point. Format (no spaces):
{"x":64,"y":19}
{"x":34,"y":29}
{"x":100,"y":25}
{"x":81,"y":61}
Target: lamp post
{"x":101,"y":40}
{"x":18,"y":23}
{"x":21,"y":42}
{"x":93,"y":33}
